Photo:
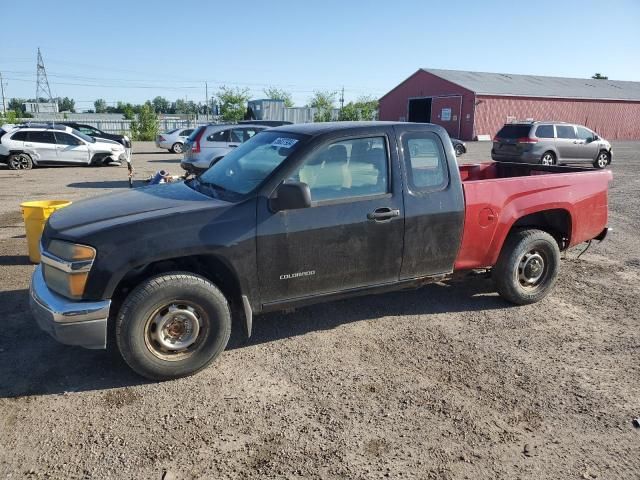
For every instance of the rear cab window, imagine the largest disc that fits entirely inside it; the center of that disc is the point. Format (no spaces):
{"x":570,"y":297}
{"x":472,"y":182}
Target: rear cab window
{"x":425,"y":162}
{"x":221,"y":136}
{"x":41,"y":137}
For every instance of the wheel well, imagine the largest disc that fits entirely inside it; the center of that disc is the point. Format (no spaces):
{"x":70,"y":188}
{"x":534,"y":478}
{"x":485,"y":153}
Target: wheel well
{"x":207,"y":266}
{"x":551,"y":152}
{"x":555,"y":222}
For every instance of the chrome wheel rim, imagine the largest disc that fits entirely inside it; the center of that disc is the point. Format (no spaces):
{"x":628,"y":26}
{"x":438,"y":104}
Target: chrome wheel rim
{"x":175,"y":330}
{"x":177,"y":148}
{"x":20,"y":162}
{"x":531,"y":269}
{"x":603,"y":160}
{"x":547,"y":159}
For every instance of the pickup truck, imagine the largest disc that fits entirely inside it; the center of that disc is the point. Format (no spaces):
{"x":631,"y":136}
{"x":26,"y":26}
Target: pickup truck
{"x":297,"y":215}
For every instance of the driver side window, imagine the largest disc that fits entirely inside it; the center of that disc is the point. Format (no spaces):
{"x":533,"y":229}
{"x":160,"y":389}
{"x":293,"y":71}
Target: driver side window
{"x":350,"y":168}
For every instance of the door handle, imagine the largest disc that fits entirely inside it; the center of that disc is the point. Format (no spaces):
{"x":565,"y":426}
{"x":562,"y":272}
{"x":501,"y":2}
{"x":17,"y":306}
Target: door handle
{"x":384,"y":213}
{"x":232,"y":146}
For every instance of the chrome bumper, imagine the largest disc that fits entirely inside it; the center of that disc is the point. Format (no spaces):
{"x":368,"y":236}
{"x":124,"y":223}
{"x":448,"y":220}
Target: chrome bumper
{"x":70,"y":322}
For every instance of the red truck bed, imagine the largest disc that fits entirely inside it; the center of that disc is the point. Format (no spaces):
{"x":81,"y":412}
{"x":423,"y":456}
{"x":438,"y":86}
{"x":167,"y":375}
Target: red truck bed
{"x":499,"y":194}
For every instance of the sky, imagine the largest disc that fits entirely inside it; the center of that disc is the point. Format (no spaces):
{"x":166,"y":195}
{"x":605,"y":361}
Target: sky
{"x":134,"y":50}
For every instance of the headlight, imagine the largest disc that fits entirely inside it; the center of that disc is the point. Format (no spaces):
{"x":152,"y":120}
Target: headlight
{"x":66,"y":267}
{"x":117,"y":148}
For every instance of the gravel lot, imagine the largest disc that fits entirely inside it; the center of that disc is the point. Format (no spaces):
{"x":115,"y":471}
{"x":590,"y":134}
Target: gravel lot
{"x":447,"y":381}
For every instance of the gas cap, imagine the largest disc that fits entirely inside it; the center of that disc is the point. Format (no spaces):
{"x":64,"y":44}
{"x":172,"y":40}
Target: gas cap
{"x":486,"y":217}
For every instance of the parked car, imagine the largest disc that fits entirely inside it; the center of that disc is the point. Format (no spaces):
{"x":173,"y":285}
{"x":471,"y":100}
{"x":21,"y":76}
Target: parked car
{"x":24,"y":147}
{"x":550,"y":143}
{"x":459,"y":147}
{"x":94,"y":132}
{"x":173,"y":140}
{"x":298,"y":215}
{"x":209,"y":143}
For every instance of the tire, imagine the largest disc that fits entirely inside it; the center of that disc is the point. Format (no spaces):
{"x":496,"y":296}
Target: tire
{"x":176,"y":147}
{"x":459,"y":149}
{"x":604,"y":158}
{"x":517,"y":275}
{"x":20,"y":161}
{"x":548,"y":158}
{"x":157,"y":315}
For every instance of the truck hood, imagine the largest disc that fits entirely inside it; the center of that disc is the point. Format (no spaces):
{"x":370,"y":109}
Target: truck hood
{"x":130,"y":205}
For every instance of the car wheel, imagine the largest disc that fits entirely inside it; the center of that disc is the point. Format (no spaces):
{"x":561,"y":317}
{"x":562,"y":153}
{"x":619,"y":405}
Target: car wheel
{"x":603,"y":160}
{"x":20,"y":161}
{"x":459,"y":149}
{"x":173,"y":325}
{"x":548,"y":158}
{"x":176,"y":147}
{"x":528,"y":265}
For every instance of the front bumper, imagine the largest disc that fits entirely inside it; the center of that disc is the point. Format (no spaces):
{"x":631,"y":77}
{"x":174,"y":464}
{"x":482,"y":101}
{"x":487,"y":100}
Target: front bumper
{"x":82,"y":323}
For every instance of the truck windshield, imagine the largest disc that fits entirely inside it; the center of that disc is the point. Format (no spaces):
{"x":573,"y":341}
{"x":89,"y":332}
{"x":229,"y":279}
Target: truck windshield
{"x":243,"y":169}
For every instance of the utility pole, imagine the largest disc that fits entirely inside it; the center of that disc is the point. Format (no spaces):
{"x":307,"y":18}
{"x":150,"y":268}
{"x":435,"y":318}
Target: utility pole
{"x":4,"y":106}
{"x":206,"y":96}
{"x":342,"y":98}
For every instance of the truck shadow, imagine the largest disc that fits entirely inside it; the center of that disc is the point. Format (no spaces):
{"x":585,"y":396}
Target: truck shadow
{"x":472,"y":294}
{"x":32,"y":363}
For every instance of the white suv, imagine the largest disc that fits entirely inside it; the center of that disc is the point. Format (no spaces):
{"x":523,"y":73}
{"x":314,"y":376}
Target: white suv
{"x":23,"y":147}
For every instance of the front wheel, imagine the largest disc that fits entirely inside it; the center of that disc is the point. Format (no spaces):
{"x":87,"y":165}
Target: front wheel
{"x":528,"y":265}
{"x":173,"y":325}
{"x":20,"y":161}
{"x":176,"y":147}
{"x":603,"y":160}
{"x":459,"y":149}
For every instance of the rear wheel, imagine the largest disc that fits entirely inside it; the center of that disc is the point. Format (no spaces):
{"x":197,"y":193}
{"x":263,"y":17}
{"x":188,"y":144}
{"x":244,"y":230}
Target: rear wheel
{"x":528,"y":265}
{"x":603,"y":160}
{"x":20,"y":161}
{"x":548,"y":158}
{"x":173,"y":325}
{"x":176,"y":147}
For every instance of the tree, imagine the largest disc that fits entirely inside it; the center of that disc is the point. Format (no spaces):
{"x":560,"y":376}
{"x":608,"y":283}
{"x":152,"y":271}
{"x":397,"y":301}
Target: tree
{"x":184,"y":106}
{"x":363,"y":109}
{"x":66,"y":104}
{"x":233,"y":103}
{"x":599,"y":76}
{"x":161,"y":104}
{"x":100,"y":105}
{"x":274,"y":93}
{"x":323,"y":101}
{"x":146,"y":126}
{"x":16,"y":104}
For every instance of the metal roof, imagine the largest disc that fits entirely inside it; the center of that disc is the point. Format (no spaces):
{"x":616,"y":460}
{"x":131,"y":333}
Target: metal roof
{"x":507,"y":84}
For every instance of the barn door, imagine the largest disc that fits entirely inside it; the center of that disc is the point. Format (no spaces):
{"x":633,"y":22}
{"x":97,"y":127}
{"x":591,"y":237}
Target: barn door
{"x":445,"y":111}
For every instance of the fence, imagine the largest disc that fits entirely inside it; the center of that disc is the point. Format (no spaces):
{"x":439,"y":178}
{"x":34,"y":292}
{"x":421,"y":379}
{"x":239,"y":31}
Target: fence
{"x":123,"y":127}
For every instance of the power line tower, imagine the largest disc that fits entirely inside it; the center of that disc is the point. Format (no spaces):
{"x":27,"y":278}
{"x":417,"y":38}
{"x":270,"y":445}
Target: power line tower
{"x":42,"y":83}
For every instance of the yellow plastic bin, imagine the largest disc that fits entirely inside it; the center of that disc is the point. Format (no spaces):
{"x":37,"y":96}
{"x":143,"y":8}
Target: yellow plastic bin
{"x":35,"y":215}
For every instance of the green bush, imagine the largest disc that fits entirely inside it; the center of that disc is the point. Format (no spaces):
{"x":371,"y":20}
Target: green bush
{"x":146,"y":126}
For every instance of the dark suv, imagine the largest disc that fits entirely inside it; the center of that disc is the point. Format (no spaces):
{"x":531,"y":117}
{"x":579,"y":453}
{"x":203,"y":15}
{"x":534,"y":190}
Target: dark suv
{"x":550,"y":143}
{"x":97,"y":133}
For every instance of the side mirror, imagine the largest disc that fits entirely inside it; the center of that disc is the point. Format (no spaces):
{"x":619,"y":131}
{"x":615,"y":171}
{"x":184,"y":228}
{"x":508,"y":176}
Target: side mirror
{"x":291,"y":196}
{"x":595,"y":137}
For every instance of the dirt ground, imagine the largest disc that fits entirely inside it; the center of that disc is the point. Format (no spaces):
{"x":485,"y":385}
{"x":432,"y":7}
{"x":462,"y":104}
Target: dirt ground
{"x":448,"y":381}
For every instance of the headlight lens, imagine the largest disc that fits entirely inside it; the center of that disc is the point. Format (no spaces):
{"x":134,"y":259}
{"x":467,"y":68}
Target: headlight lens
{"x":67,"y":273}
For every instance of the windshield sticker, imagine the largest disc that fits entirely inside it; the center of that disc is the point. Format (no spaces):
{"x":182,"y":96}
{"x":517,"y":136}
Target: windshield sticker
{"x":284,"y":142}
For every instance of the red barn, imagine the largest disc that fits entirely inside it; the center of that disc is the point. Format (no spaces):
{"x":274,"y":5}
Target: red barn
{"x":469,"y":104}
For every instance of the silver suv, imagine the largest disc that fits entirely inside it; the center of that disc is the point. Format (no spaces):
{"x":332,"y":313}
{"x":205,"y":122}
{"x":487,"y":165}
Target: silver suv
{"x":209,"y":143}
{"x":550,"y":143}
